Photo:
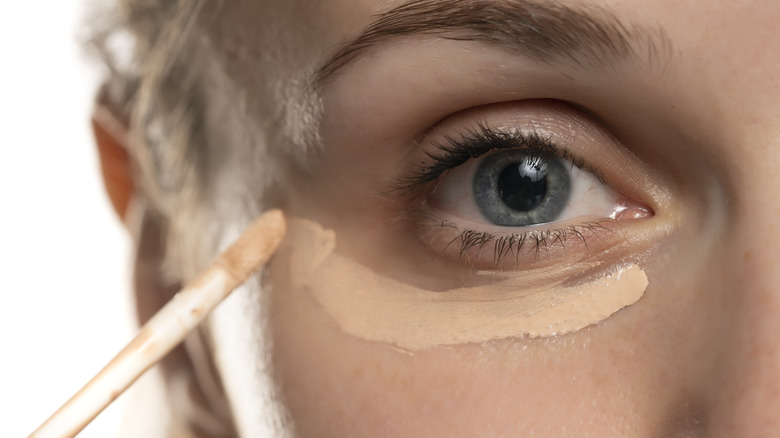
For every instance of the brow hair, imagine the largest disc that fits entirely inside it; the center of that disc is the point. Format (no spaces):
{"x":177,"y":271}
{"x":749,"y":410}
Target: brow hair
{"x":543,"y":30}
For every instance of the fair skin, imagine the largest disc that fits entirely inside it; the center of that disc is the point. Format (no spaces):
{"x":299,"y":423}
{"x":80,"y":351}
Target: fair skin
{"x":693,"y":115}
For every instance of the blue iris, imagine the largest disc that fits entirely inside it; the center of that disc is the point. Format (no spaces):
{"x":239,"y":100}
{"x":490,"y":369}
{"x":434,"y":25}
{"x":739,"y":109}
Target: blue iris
{"x":514,"y":188}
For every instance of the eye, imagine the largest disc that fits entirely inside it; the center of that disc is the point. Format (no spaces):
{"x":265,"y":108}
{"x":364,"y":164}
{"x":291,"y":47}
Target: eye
{"x":525,"y":191}
{"x":521,"y":188}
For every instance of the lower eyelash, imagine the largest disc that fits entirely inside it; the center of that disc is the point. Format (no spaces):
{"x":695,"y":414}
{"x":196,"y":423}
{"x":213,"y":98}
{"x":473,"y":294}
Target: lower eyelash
{"x":535,"y":241}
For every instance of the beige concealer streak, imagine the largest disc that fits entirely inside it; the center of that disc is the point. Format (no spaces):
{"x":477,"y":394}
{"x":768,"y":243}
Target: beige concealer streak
{"x":376,"y":308}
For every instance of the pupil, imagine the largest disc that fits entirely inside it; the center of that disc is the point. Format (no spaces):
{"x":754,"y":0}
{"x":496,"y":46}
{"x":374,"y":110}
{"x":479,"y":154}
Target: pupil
{"x":522,"y":186}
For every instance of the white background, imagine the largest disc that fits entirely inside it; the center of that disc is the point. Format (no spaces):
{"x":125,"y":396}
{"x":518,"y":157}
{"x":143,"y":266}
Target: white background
{"x":64,"y":257}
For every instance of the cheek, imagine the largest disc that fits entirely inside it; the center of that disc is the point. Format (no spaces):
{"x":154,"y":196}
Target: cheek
{"x":613,"y":379}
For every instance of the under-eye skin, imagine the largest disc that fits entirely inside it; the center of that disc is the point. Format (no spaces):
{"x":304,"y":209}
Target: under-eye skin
{"x":522,"y":186}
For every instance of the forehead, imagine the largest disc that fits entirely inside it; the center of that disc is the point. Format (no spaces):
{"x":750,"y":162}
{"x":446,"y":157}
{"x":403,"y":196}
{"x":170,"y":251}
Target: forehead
{"x":706,"y":67}
{"x":324,"y":25}
{"x":719,"y":36}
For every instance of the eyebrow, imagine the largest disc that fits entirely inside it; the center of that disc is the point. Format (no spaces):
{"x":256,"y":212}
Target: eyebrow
{"x":543,"y":30}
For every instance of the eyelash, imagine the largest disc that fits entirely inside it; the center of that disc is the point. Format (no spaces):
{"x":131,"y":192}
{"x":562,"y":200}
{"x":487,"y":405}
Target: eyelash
{"x":513,"y":243}
{"x":475,"y":143}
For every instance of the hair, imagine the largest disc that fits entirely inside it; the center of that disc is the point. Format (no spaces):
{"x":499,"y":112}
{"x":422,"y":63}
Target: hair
{"x":155,"y":91}
{"x":162,"y":60}
{"x":147,"y":47}
{"x":161,"y":63}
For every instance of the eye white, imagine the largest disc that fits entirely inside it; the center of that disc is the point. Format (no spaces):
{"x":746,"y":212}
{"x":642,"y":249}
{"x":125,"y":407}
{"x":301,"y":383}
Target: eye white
{"x":454,"y":196}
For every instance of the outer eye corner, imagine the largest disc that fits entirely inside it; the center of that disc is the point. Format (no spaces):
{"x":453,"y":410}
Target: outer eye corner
{"x":630,"y":209}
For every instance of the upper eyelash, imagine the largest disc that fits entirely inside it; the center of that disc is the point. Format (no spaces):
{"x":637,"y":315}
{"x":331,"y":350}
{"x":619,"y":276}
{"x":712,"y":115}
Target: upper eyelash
{"x":476,"y":142}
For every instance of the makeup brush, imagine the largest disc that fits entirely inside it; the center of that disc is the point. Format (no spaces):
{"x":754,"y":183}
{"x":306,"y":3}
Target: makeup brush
{"x":166,"y":329}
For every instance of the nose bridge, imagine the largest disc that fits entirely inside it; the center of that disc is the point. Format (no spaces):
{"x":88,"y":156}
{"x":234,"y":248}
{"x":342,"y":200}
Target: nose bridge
{"x":746,"y":395}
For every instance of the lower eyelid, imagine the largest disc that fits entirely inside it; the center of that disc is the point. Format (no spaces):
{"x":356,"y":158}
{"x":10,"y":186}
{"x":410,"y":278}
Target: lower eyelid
{"x":534,"y":247}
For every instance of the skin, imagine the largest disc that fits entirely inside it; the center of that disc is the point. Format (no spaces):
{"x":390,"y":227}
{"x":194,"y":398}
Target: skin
{"x":696,"y":356}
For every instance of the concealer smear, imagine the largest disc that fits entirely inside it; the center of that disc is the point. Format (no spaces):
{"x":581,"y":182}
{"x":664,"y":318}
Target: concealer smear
{"x":374,"y":307}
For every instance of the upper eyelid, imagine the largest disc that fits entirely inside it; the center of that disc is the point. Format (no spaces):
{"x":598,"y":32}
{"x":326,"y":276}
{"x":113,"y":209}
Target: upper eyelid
{"x":477,"y":142}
